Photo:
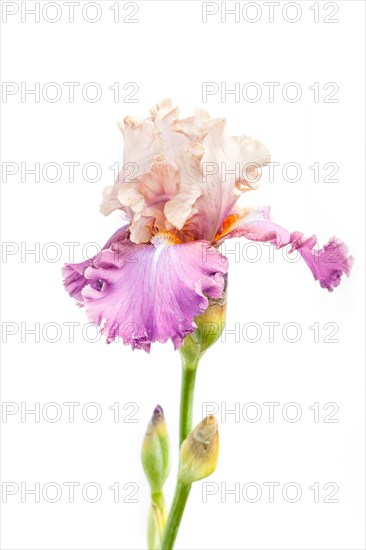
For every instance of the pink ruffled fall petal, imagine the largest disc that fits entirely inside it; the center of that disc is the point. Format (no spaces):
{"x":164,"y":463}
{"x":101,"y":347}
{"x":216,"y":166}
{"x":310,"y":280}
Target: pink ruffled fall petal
{"x":327,"y":264}
{"x":73,"y":273}
{"x":147,"y":293}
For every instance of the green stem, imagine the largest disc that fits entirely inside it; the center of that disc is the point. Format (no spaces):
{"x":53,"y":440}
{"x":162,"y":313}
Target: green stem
{"x":175,"y":515}
{"x":185,"y":426}
{"x":186,"y":401}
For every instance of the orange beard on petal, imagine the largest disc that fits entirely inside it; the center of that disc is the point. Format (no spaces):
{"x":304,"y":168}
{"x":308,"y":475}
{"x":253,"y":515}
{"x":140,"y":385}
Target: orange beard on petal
{"x":226,"y":226}
{"x":166,"y":237}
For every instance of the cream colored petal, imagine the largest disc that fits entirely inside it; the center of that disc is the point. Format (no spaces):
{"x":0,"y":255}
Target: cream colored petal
{"x":164,"y":110}
{"x":212,"y":179}
{"x":110,"y":203}
{"x":185,"y":174}
{"x":148,"y":196}
{"x":253,"y":156}
{"x":179,"y":208}
{"x":143,"y":146}
{"x":164,"y":116}
{"x":141,"y":230}
{"x":195,"y":128}
{"x":130,"y":196}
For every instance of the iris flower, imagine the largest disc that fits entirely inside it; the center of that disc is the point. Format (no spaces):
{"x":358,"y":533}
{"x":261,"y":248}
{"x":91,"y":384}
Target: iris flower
{"x":178,"y":191}
{"x":161,"y":275}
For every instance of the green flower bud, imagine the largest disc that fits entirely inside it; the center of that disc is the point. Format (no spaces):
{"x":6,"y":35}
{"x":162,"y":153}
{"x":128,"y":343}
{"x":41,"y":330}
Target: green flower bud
{"x":155,"y":451}
{"x":199,"y":452}
{"x":209,"y":329}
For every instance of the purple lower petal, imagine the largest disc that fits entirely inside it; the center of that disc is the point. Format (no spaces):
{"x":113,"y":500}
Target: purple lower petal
{"x":73,"y":274}
{"x":74,"y":280}
{"x":147,"y":293}
{"x":327,"y":265}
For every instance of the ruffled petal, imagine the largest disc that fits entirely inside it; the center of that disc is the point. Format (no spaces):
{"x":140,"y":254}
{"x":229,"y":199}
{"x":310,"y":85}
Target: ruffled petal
{"x":148,"y":196}
{"x":141,"y":230}
{"x":73,"y":274}
{"x":237,"y":218}
{"x":143,"y":146}
{"x":147,"y":293}
{"x":179,"y":208}
{"x":194,"y":128}
{"x":215,"y":170}
{"x":164,"y":116}
{"x":187,"y":173}
{"x":327,"y":264}
{"x":73,"y":278}
{"x":150,"y":192}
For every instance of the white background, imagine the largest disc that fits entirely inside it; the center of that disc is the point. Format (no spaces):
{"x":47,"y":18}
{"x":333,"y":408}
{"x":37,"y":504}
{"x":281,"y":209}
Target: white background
{"x":170,"y":52}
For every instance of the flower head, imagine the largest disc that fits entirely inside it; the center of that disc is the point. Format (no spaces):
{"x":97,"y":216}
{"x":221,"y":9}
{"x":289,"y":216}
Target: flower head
{"x":178,"y":191}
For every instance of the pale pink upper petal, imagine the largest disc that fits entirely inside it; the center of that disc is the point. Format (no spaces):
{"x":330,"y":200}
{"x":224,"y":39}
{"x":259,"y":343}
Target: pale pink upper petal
{"x":194,"y":128}
{"x":164,"y":116}
{"x":179,"y":208}
{"x":143,"y":146}
{"x":142,"y":229}
{"x":148,"y":196}
{"x":187,"y":172}
{"x":214,"y":173}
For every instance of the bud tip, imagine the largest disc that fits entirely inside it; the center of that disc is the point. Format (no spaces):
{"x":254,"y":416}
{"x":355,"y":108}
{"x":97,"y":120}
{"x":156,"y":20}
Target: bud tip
{"x":158,"y":411}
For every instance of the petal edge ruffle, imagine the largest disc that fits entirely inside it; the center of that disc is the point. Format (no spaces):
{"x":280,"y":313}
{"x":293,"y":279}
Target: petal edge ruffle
{"x":146,"y":293}
{"x":327,"y":264}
